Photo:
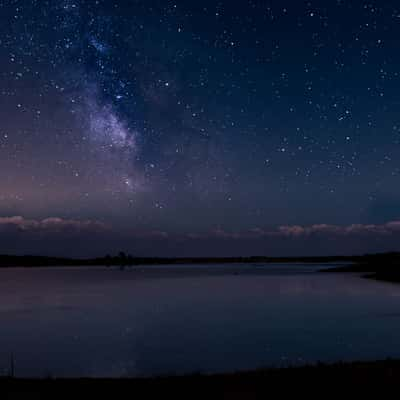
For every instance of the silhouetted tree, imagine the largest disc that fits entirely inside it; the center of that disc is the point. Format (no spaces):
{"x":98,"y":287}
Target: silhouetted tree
{"x":108,"y":260}
{"x":122,"y":260}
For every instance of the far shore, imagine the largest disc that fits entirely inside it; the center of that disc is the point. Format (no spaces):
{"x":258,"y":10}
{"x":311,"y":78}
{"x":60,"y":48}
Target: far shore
{"x":381,"y":266}
{"x":122,"y":259}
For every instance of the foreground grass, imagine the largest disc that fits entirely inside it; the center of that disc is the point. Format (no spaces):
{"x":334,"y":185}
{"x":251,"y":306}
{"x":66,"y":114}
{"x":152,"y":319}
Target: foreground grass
{"x":344,"y":378}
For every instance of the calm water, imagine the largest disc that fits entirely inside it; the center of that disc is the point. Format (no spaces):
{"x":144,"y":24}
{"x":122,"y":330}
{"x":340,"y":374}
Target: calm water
{"x":162,"y":320}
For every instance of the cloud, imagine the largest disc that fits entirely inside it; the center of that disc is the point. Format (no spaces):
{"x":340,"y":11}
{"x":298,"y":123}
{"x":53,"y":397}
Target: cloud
{"x":57,"y":224}
{"x":294,"y":230}
{"x":151,"y":235}
{"x":50,"y":225}
{"x":299,"y":231}
{"x":354,"y":229}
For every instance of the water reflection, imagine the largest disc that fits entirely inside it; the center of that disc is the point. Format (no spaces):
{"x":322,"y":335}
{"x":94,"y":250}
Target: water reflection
{"x":160,"y":320}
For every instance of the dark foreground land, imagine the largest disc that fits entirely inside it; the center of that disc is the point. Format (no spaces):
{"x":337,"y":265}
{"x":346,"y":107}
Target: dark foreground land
{"x":380,"y":377}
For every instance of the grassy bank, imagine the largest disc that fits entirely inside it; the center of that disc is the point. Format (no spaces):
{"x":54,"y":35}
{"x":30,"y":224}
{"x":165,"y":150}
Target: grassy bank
{"x":384,"y":267}
{"x":323,"y":379}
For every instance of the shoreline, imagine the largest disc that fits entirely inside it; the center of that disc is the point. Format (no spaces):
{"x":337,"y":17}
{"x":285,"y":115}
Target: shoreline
{"x":385,"y":270}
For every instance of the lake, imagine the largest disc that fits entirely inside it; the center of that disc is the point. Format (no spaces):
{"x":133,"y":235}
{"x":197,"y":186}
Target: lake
{"x":159,"y":320}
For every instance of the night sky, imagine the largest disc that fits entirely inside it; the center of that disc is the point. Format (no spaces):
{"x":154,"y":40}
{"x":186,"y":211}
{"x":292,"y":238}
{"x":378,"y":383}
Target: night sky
{"x":199,"y":128}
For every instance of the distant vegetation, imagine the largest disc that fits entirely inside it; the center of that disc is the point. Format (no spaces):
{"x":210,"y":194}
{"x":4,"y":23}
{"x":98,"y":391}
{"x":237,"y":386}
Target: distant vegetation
{"x":365,"y":263}
{"x":383,"y":266}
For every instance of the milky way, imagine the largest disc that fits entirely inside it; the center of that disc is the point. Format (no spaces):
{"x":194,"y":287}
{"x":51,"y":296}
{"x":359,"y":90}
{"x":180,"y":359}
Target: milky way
{"x":188,"y":127}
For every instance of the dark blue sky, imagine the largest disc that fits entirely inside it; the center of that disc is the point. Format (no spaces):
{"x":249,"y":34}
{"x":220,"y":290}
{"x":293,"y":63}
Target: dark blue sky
{"x":221,"y":128}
